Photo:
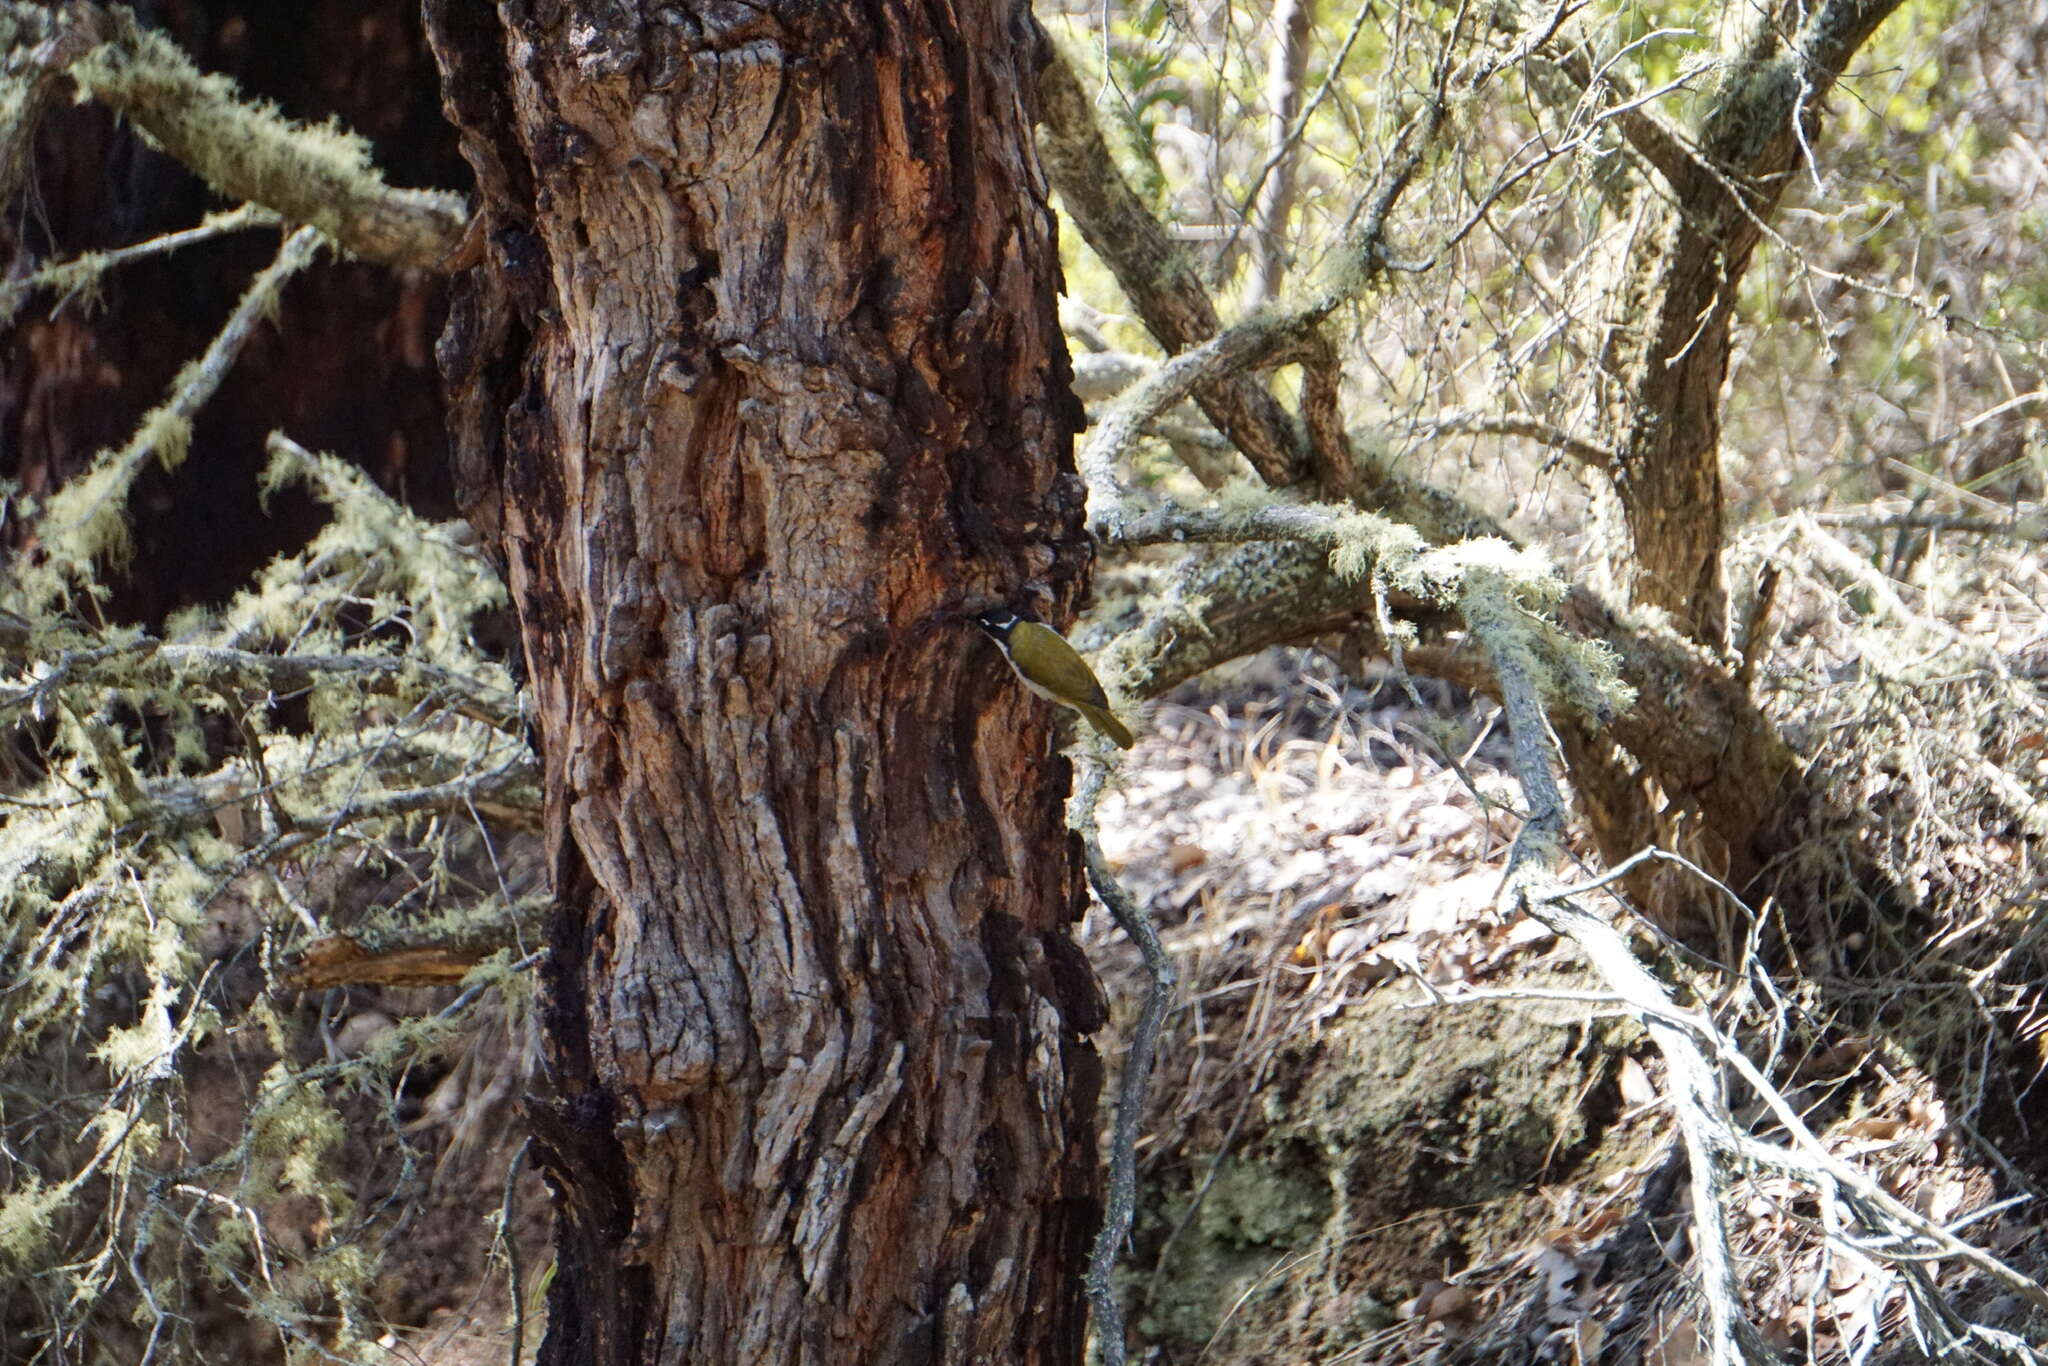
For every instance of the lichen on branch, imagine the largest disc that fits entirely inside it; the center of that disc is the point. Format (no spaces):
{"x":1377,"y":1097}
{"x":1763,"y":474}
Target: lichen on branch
{"x":320,"y":175}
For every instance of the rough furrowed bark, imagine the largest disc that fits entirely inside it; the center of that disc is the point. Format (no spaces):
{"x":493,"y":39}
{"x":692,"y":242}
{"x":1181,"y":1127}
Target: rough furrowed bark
{"x":777,"y":390}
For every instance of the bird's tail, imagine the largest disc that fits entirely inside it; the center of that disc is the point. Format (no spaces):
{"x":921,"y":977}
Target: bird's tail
{"x":1105,"y":721}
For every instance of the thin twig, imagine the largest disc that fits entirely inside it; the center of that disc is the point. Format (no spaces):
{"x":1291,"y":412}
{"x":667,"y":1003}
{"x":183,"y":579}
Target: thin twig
{"x":2014,"y":528}
{"x":81,"y":271}
{"x":1122,"y":1197}
{"x":510,"y":1240}
{"x":1591,"y":453}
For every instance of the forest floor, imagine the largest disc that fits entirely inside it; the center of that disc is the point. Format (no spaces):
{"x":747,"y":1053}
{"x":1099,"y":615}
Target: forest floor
{"x":1392,"y":1124}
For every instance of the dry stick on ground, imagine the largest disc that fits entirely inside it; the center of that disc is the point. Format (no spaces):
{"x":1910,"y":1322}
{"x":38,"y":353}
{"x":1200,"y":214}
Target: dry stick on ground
{"x":1122,"y":1195}
{"x":1692,"y":1045}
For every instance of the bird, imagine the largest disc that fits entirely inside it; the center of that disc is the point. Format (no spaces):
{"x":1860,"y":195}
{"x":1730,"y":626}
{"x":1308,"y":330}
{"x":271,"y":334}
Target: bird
{"x":1053,"y":669}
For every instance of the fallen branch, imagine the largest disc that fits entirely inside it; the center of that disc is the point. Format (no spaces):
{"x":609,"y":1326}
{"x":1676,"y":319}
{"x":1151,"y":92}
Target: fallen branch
{"x":1696,"y":1097}
{"x":1695,"y":1051}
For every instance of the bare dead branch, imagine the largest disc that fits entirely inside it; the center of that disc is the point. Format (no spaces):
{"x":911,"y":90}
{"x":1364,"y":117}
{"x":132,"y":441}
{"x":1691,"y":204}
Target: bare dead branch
{"x":2012,"y":529}
{"x":1696,"y":1095}
{"x":1272,"y":201}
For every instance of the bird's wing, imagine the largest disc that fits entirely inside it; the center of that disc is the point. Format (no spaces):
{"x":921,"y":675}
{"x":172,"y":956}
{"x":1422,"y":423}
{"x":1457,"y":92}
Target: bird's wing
{"x":1062,"y":668}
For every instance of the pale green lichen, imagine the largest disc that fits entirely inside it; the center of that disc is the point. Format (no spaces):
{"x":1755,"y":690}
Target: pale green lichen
{"x":321,"y":174}
{"x":1501,"y":590}
{"x":26,"y":1216}
{"x":142,"y":813}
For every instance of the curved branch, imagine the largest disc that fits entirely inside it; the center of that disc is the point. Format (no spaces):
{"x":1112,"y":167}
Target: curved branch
{"x":1693,"y":726}
{"x":1122,"y":1195}
{"x":1153,"y":271}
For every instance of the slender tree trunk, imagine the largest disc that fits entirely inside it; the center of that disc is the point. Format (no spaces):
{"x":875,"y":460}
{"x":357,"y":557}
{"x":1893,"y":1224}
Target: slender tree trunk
{"x":1674,"y":314}
{"x":1286,"y":63}
{"x":762,"y":387}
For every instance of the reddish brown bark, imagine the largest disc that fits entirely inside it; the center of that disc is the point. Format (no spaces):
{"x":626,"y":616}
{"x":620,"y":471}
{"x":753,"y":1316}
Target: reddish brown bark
{"x":761,"y":387}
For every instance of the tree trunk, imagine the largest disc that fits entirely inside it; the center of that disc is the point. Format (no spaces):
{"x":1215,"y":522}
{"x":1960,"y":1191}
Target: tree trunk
{"x":1286,"y":63}
{"x":1673,"y":316}
{"x":762,"y":388}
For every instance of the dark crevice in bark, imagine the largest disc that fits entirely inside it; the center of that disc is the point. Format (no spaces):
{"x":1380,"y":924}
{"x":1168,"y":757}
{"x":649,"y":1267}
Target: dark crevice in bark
{"x":598,"y":1301}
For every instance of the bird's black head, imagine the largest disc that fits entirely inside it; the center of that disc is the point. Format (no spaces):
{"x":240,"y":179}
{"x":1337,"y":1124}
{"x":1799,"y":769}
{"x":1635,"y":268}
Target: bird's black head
{"x":998,"y":622}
